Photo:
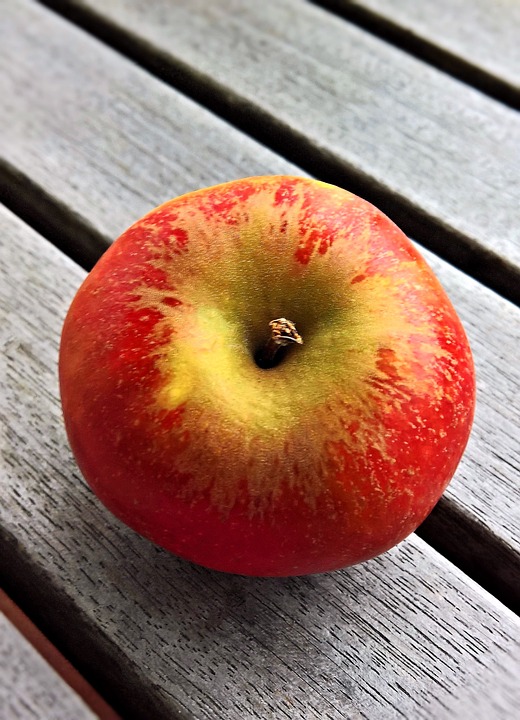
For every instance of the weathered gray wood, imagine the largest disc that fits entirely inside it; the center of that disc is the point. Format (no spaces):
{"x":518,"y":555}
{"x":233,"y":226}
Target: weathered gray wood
{"x":29,"y":688}
{"x":439,"y":154}
{"x":405,"y":635}
{"x":477,"y":38}
{"x":478,"y":521}
{"x":106,"y":163}
{"x":88,"y":136}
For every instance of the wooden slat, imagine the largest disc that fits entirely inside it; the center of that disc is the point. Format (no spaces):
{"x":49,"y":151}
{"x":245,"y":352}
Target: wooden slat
{"x":475,"y":39}
{"x":477,"y":523}
{"x":103,"y":164}
{"x":440,"y":156}
{"x":47,"y":654}
{"x":29,"y":688}
{"x":97,"y":139}
{"x":404,"y":635}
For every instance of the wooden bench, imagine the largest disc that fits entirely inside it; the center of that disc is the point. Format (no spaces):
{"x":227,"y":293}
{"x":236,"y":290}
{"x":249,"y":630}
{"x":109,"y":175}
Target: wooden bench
{"x":107,"y":110}
{"x":36,"y":681}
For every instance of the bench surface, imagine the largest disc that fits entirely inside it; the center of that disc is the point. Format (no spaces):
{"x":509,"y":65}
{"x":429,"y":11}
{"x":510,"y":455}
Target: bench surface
{"x":29,"y":686}
{"x":110,"y":110}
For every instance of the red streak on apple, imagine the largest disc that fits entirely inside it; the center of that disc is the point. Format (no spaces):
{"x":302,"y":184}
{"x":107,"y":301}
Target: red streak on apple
{"x":325,"y":460}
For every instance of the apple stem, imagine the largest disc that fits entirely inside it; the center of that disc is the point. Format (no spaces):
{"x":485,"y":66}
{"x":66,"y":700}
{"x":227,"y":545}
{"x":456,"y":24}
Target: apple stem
{"x":283,"y":333}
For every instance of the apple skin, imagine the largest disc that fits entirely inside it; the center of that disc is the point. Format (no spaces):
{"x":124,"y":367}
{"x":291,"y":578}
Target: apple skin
{"x":323,"y":461}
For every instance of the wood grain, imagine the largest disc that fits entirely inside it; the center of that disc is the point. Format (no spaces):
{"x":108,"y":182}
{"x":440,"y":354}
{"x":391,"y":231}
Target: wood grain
{"x":89,"y":142}
{"x":102,"y":164}
{"x":29,"y":688}
{"x":404,"y":635}
{"x":475,"y":40}
{"x":439,"y":156}
{"x":477,"y":523}
{"x":49,"y":654}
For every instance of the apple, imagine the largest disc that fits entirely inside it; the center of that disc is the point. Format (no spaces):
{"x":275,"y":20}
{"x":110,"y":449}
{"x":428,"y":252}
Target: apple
{"x":266,"y":378}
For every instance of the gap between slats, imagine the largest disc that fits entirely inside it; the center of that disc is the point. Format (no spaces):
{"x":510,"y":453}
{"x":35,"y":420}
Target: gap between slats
{"x":55,"y":659}
{"x":423,"y":49}
{"x":486,"y":266}
{"x":38,"y":600}
{"x":53,"y":220}
{"x":468,"y":545}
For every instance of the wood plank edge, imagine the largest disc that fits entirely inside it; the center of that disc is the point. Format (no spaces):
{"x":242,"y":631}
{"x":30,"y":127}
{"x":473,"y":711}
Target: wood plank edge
{"x":100,"y":661}
{"x":97,"y":658}
{"x":483,"y":264}
{"x":425,"y":50}
{"x":475,"y":550}
{"x":52,"y":219}
{"x":55,"y":659}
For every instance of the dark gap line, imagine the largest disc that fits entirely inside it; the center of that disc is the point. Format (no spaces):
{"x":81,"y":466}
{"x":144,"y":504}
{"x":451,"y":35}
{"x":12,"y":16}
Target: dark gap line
{"x":486,"y":266}
{"x":484,"y":558}
{"x":101,"y":662}
{"x":425,"y":50}
{"x":56,"y":222}
{"x":41,"y":645}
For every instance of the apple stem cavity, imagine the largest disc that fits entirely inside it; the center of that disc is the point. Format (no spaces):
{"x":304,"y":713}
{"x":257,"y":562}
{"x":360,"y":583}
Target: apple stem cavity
{"x":283,"y":334}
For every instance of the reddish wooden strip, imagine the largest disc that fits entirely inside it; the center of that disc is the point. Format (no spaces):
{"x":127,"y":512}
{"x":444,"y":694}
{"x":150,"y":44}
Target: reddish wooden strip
{"x":55,"y":659}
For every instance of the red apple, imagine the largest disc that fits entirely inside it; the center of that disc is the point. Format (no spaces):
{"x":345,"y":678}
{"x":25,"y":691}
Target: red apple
{"x":203,"y":434}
